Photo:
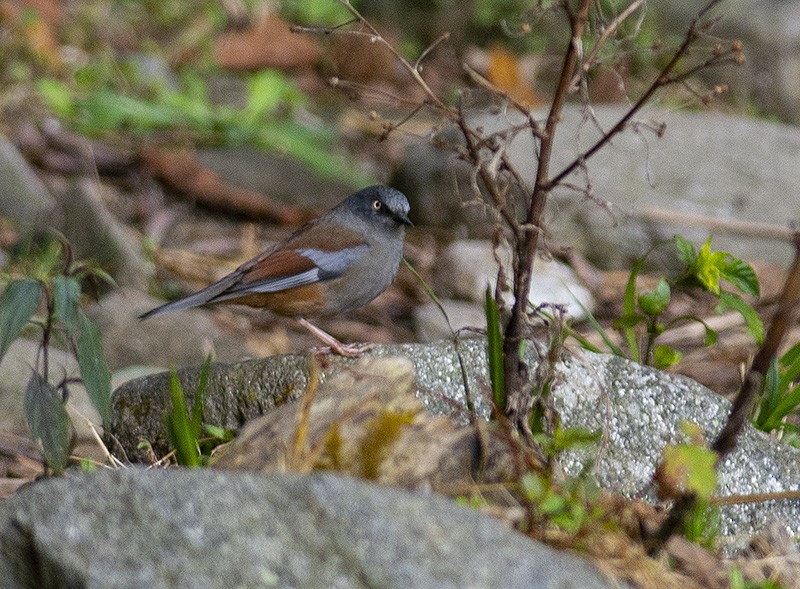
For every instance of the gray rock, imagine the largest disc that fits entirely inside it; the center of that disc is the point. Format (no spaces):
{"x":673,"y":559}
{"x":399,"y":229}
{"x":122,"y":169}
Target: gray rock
{"x":726,"y":167}
{"x":180,"y":528}
{"x":638,"y":409}
{"x":465,"y":268}
{"x":430,"y":325}
{"x":25,"y":198}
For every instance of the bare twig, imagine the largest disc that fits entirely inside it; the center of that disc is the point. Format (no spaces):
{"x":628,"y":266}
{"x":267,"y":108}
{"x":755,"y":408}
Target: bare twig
{"x":412,"y":69}
{"x":602,"y":39}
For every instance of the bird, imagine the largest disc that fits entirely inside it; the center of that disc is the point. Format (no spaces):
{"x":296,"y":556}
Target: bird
{"x":333,"y":264}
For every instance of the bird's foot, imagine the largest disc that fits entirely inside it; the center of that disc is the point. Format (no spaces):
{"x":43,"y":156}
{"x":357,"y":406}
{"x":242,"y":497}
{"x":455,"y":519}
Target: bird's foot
{"x":333,"y":345}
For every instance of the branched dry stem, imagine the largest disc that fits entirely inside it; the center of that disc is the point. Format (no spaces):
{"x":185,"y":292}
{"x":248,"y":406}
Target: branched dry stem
{"x":487,"y":153}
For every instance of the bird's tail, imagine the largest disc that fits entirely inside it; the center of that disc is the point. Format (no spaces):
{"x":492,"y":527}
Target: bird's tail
{"x":202,"y":297}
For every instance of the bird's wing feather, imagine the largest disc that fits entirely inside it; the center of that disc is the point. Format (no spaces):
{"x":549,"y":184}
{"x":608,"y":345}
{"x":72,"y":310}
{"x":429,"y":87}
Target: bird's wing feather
{"x":304,"y":258}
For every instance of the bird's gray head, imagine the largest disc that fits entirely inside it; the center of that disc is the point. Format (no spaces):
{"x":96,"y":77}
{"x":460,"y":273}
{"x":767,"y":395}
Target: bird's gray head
{"x":380,"y":204}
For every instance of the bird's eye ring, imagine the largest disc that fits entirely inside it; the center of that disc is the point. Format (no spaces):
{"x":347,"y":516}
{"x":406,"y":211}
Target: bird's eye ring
{"x":376,"y":205}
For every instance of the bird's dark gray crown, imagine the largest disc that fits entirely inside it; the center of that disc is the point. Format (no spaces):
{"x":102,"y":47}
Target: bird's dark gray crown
{"x":394,"y":203}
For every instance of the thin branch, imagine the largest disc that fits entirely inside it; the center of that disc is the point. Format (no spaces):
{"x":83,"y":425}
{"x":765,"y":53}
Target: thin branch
{"x":662,"y":80}
{"x":444,"y":37}
{"x":410,"y":68}
{"x":480,"y":80}
{"x":604,"y":36}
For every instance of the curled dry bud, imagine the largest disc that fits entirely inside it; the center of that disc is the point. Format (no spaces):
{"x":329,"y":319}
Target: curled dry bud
{"x":739,"y":59}
{"x":737,"y":45}
{"x":717,"y":50}
{"x":721,"y":89}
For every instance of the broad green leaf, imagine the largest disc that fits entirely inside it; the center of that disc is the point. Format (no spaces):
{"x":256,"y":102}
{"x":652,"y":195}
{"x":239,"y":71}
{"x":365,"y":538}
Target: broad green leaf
{"x":707,"y":267}
{"x":94,"y":371}
{"x":48,"y":420}
{"x":685,"y":249}
{"x":741,"y":275}
{"x":18,"y":303}
{"x":711,"y":336}
{"x":656,"y":301}
{"x":495,"y":351}
{"x":665,"y":356}
{"x":66,"y":294}
{"x":57,"y":96}
{"x":728,"y":300}
{"x":628,"y":320}
{"x":691,"y":468}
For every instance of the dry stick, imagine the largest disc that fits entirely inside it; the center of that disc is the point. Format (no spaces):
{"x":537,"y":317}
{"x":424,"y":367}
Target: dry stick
{"x":526,"y":241}
{"x":750,"y":228}
{"x":726,"y":440}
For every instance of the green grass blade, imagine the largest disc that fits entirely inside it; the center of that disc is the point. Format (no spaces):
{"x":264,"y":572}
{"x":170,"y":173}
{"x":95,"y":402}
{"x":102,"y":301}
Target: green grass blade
{"x":179,"y":426}
{"x":494,"y":332}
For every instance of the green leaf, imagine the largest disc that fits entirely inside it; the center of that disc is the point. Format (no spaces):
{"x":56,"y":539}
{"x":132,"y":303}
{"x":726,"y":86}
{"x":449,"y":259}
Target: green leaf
{"x":755,"y":327}
{"x":665,"y":356}
{"x":787,"y":405}
{"x":655,"y":302}
{"x":94,"y":371}
{"x":711,"y":336}
{"x":766,"y":419}
{"x":707,"y":267}
{"x":692,"y":468}
{"x":741,"y":275}
{"x":628,"y":321}
{"x":17,"y":305}
{"x":266,"y":91}
{"x":686,"y":250}
{"x":495,"y":351}
{"x":574,"y":438}
{"x":48,"y":420}
{"x":66,"y":294}
{"x":57,"y":96}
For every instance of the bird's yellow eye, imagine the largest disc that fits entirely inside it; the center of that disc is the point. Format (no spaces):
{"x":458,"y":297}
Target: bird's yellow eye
{"x":376,"y":205}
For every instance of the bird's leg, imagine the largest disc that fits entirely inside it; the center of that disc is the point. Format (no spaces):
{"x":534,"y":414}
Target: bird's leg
{"x":348,"y":350}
